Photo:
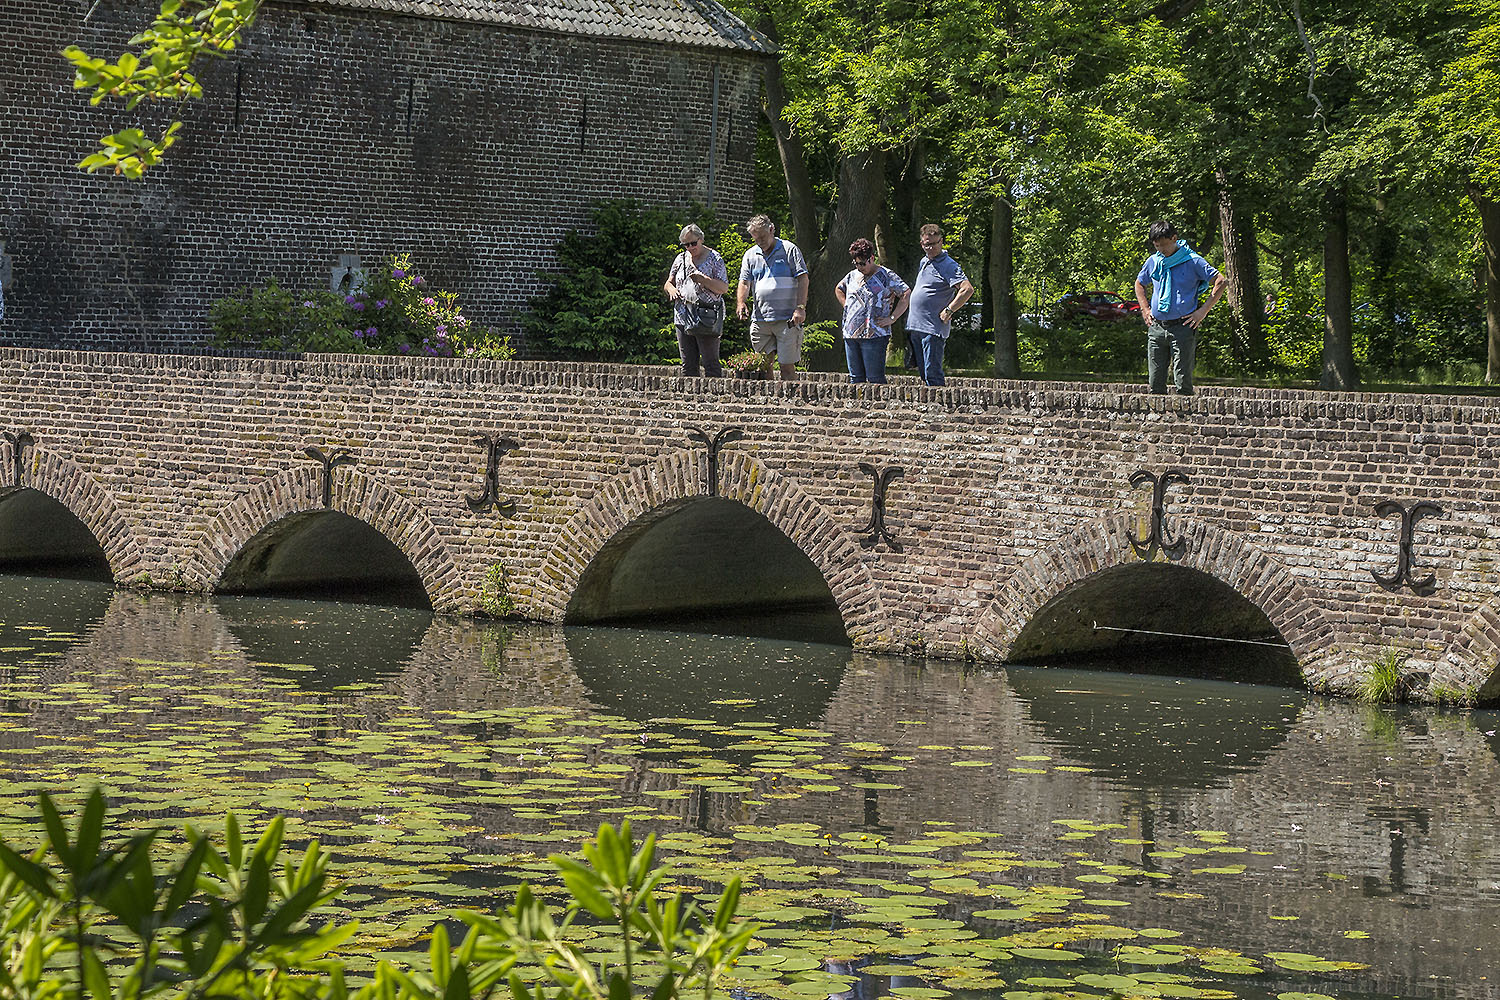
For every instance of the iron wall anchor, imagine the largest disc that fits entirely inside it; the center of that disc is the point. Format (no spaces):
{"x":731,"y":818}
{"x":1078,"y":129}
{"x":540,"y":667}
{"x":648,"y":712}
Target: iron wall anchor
{"x":1160,"y":537}
{"x":714,"y":443}
{"x":497,"y":448}
{"x":875,"y":529}
{"x":19,"y":442}
{"x":1406,"y":561}
{"x":330,"y":461}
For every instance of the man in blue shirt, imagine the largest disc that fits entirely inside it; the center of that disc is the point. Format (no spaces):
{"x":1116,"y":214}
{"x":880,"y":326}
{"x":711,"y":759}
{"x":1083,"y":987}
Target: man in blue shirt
{"x":774,"y":274}
{"x":1178,"y":277}
{"x":937,"y":292}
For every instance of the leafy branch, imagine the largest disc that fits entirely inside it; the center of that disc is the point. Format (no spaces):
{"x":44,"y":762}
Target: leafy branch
{"x":184,"y":31}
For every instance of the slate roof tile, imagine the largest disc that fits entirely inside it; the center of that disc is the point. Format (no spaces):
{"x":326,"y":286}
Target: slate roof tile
{"x":683,"y":22}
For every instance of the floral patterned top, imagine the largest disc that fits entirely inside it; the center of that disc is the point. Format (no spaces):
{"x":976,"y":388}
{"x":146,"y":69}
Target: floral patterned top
{"x":867,"y":299}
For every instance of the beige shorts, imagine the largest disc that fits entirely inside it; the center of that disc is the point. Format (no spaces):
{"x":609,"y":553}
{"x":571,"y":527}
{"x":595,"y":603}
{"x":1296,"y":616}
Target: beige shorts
{"x":780,"y":337}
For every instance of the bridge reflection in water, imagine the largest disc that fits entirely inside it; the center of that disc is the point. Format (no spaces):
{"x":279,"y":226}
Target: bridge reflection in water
{"x":1325,"y":787}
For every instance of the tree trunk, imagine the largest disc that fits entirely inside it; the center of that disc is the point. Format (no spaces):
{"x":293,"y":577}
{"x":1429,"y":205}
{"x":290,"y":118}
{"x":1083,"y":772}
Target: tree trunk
{"x":1338,"y":325}
{"x":1242,"y":269}
{"x":862,"y":191}
{"x":1002,"y":290}
{"x":799,"y":188}
{"x":1489,"y":223}
{"x":906,"y":213}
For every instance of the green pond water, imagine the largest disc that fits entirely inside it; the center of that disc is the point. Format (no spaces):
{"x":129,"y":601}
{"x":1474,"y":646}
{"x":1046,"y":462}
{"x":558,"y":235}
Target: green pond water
{"x":906,"y":829}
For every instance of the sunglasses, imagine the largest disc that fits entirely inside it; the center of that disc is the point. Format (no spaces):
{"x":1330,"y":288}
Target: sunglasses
{"x":689,"y":245}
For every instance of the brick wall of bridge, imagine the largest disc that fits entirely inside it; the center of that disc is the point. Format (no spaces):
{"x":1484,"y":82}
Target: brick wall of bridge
{"x":1010,"y":491}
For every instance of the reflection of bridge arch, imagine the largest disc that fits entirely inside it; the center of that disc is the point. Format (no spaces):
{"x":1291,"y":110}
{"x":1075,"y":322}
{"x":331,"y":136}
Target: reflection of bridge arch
{"x":671,"y":480}
{"x":66,"y":482}
{"x":300,"y":492}
{"x":1222,"y":554}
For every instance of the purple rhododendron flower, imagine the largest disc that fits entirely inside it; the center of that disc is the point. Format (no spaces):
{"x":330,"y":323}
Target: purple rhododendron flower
{"x":359,"y":307}
{"x":441,"y":329}
{"x":349,"y":300}
{"x":418,"y":280}
{"x":404,"y":348}
{"x":398,"y":273}
{"x":429,"y":301}
{"x":382,"y":303}
{"x":372,"y":331}
{"x":307,"y":303}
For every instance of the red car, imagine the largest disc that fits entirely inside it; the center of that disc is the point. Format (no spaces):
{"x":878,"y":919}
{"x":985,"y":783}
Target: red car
{"x":1097,"y":305}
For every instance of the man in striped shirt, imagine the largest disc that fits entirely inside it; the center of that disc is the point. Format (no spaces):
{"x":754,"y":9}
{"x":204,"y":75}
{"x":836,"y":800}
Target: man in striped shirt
{"x":774,"y":271}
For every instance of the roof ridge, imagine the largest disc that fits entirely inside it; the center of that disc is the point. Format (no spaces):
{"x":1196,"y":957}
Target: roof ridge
{"x":700,"y":23}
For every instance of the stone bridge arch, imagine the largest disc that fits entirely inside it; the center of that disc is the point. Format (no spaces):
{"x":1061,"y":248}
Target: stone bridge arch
{"x":66,"y":482}
{"x":1225,"y":555}
{"x":681,"y":476}
{"x":1470,"y":668}
{"x":299,"y":491}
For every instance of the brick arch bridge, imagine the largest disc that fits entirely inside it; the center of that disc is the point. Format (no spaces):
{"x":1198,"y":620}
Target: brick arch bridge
{"x":1233,"y":558}
{"x":940,"y":519}
{"x":668,"y":482}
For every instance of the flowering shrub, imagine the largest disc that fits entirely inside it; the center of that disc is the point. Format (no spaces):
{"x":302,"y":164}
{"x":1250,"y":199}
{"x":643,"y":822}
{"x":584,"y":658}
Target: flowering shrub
{"x":396,"y":312}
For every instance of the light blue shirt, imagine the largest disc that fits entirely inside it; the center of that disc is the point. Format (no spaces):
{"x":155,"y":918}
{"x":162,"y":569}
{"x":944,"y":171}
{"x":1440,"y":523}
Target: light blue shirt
{"x":773,"y":280}
{"x":1188,"y":281}
{"x":931,"y":293}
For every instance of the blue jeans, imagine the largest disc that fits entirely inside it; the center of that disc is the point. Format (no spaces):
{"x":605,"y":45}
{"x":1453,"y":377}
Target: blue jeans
{"x":929,"y":349}
{"x":866,"y":359}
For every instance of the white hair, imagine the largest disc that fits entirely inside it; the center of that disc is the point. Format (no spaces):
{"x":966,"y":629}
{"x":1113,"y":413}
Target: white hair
{"x":690,"y":230}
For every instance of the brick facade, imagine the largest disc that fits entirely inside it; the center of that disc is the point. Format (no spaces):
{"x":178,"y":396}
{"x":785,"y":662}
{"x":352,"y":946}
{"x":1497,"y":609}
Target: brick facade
{"x":1011,"y":493}
{"x":339,"y":131}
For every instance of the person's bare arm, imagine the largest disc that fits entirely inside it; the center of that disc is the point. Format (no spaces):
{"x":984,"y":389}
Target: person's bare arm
{"x":739,"y":299}
{"x":714,"y":285}
{"x":802,"y":286}
{"x":1197,"y":316}
{"x":964,"y":292}
{"x":898,"y":309}
{"x":1143,"y":299}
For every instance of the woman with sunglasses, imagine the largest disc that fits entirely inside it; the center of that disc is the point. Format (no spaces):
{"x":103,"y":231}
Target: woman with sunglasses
{"x":695,"y":286}
{"x":873,"y":297}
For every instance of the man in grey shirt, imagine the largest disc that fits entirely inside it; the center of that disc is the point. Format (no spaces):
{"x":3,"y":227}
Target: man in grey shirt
{"x":937,"y":292}
{"x":774,"y":271}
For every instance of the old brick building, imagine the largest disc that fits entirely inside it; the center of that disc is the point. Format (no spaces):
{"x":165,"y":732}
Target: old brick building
{"x":470,"y":133}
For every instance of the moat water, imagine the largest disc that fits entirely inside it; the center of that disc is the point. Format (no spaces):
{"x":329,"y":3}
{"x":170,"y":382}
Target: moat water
{"x":912,"y":829}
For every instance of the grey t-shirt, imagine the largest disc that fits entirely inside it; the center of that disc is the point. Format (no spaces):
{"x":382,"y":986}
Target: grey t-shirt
{"x":773,"y":280}
{"x":930,"y":294}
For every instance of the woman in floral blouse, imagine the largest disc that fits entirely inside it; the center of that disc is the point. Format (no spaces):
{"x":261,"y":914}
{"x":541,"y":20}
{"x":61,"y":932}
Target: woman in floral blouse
{"x":873,"y":298}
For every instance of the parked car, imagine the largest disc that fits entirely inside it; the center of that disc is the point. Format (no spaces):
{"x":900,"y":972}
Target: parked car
{"x":1097,"y":305}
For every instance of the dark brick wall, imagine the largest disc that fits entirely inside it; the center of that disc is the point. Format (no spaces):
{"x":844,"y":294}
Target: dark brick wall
{"x":471,"y":146}
{"x":1012,"y":492}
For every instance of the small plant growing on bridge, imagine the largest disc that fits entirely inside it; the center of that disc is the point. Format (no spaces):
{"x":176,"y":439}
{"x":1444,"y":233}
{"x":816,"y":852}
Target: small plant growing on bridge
{"x":1384,"y":684}
{"x":494,"y":594}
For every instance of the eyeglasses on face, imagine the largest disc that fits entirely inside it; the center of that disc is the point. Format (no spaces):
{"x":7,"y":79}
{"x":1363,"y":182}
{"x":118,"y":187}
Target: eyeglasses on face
{"x":689,"y":244}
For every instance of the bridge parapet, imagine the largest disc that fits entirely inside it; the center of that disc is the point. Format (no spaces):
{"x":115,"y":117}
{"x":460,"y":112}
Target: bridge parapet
{"x":1008,"y":493}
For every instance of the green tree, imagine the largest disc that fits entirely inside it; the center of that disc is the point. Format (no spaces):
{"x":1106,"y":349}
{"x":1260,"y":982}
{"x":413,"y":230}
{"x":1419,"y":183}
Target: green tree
{"x":1460,"y":123}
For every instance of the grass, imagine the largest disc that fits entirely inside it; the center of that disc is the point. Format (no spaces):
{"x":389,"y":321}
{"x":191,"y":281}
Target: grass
{"x":1383,"y":684}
